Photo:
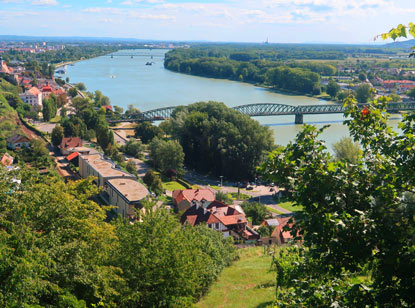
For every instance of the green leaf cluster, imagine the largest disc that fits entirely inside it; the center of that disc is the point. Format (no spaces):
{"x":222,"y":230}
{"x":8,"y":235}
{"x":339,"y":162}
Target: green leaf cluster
{"x":356,"y":215}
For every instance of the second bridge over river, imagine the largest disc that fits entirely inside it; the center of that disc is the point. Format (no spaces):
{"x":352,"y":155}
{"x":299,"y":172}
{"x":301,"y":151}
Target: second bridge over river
{"x":264,"y":109}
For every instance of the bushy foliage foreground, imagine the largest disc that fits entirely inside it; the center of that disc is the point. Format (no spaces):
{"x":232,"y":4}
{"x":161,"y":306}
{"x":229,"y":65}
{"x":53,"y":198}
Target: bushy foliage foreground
{"x":358,"y":219}
{"x":56,"y":250}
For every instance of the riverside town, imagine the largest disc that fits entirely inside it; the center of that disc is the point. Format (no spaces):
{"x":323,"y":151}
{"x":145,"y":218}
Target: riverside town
{"x":180,"y":154}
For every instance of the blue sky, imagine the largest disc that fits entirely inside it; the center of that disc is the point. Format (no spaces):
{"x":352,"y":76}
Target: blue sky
{"x":282,"y":21}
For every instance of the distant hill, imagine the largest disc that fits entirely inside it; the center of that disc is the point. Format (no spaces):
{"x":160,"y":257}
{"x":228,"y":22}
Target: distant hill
{"x":403,"y":44}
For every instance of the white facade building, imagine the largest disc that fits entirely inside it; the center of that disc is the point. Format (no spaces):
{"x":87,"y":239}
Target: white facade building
{"x":33,"y":96}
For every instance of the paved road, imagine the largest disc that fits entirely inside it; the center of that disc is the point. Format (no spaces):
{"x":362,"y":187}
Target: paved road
{"x":261,"y":193}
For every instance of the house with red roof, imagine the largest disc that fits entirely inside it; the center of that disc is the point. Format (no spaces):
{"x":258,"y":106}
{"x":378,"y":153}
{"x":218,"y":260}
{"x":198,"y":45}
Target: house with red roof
{"x":46,"y":91}
{"x":279,"y":235}
{"x":73,"y":158}
{"x":17,"y":142}
{"x":221,"y":217}
{"x":33,"y":96}
{"x":183,"y":199}
{"x":69,"y":143}
{"x":107,"y":108}
{"x":7,"y":160}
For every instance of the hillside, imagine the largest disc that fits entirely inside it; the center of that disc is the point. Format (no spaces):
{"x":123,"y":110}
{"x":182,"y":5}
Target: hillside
{"x":402,"y":44}
{"x":247,"y":283}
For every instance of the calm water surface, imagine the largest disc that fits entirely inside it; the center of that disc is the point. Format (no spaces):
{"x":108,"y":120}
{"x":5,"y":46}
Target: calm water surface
{"x":129,"y":81}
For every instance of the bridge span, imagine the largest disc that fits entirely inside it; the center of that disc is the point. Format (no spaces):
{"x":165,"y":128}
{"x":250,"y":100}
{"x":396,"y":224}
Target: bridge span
{"x":264,"y":109}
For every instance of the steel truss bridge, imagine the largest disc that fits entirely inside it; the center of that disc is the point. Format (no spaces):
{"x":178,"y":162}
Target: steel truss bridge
{"x":265,"y":109}
{"x":112,"y":55}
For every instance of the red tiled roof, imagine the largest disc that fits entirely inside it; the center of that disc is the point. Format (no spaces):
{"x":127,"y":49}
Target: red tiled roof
{"x":193,"y":194}
{"x":107,"y":107}
{"x":7,"y":160}
{"x":72,"y":156}
{"x":71,"y":142}
{"x":191,"y":219}
{"x":34,"y":91}
{"x":399,"y":81}
{"x":47,"y":89}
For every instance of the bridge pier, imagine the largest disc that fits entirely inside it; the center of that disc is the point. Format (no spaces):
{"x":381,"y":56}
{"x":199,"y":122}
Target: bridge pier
{"x":299,"y":118}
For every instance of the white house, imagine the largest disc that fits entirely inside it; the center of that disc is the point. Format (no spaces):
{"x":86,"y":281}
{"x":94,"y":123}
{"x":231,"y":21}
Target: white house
{"x":33,"y":96}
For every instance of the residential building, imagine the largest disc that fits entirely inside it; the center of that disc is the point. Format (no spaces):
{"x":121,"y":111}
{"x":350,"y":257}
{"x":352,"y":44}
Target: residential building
{"x":126,"y":194}
{"x":7,"y":160}
{"x":69,"y":143}
{"x":33,"y":96}
{"x":221,"y":217}
{"x":17,"y":142}
{"x":183,"y":199}
{"x":278,"y":236}
{"x":121,"y":188}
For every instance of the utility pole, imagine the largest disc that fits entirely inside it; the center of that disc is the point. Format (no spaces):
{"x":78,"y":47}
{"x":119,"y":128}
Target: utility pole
{"x":221,"y":181}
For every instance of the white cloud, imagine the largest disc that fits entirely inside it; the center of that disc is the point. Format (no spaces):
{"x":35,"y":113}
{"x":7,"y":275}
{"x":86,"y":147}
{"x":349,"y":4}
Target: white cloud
{"x":44,"y":2}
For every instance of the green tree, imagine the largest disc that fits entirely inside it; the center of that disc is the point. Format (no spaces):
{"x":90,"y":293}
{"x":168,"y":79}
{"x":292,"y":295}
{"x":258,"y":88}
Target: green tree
{"x":131,"y":167}
{"x":362,"y":76}
{"x":342,"y":95}
{"x":332,"y":88}
{"x":350,"y":211}
{"x":73,"y":92}
{"x":57,"y":135}
{"x":133,"y":148}
{"x":221,"y":140}
{"x":153,"y":182}
{"x":257,"y":211}
{"x":81,"y":86}
{"x":132,"y":110}
{"x":56,"y":245}
{"x":48,"y":109}
{"x":147,"y":131}
{"x":149,"y":177}
{"x":105,"y":137}
{"x":223,"y":197}
{"x":363,"y":93}
{"x":348,"y":150}
{"x":164,"y":263}
{"x":167,"y":155}
{"x":411,"y":93}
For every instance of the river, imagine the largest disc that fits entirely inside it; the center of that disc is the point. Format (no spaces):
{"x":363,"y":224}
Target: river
{"x":127,"y":80}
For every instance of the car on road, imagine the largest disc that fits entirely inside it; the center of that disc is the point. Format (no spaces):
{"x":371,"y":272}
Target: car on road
{"x":250,"y":188}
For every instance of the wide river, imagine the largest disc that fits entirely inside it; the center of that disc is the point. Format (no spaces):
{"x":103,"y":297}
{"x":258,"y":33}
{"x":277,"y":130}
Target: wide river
{"x":127,"y":80}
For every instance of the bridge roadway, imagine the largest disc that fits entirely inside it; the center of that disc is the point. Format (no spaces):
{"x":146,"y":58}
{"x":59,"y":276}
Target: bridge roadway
{"x":265,"y":109}
{"x":134,"y":55}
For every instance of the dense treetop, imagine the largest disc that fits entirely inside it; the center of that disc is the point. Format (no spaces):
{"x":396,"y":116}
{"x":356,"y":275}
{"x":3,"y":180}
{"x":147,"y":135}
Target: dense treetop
{"x":56,"y":250}
{"x":220,"y":140}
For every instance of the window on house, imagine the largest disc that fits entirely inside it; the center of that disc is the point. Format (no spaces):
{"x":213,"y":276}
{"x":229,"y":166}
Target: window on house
{"x":217,"y":226}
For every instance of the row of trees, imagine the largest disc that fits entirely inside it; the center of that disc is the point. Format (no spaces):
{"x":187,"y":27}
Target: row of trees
{"x":300,"y":77}
{"x":57,"y":250}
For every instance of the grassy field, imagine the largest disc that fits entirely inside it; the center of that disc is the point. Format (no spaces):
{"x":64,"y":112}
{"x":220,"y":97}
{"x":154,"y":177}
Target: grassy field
{"x":247,"y":283}
{"x":289,"y":205}
{"x":173,"y":185}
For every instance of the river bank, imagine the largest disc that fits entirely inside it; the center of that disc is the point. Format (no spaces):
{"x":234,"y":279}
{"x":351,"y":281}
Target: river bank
{"x":150,"y":87}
